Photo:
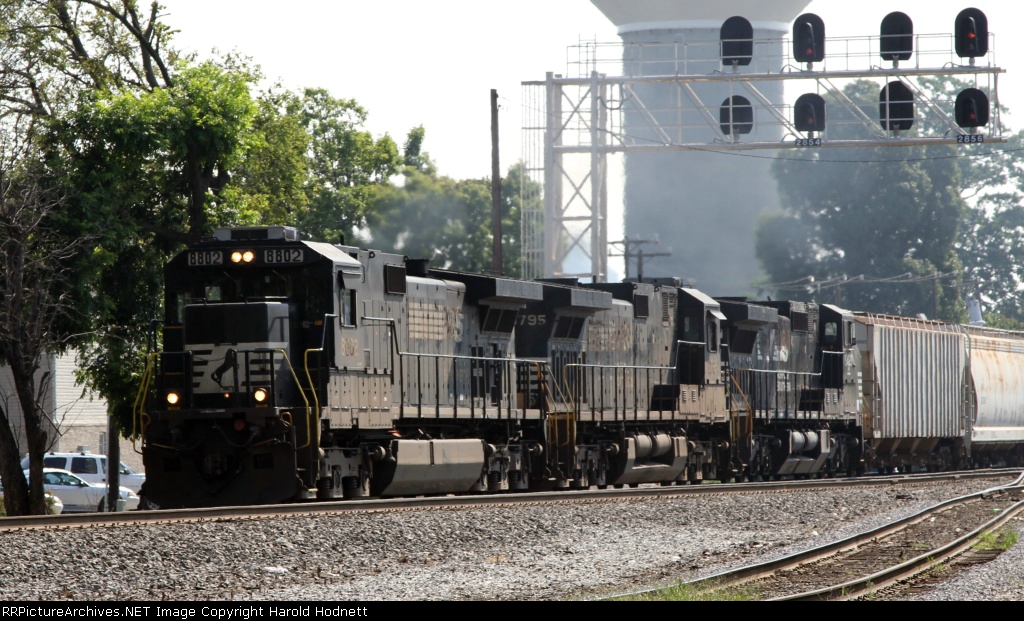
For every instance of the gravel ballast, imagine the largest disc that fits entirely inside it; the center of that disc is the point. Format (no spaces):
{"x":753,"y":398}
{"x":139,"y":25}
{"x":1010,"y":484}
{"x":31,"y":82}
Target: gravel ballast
{"x":569,"y":550}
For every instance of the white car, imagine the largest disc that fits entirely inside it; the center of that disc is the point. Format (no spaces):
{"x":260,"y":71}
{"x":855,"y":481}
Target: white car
{"x":92,"y":467}
{"x":79,"y":496}
{"x":53,"y":504}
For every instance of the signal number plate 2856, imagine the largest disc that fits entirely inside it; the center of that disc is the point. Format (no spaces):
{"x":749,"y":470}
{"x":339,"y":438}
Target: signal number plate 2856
{"x":282,"y":255}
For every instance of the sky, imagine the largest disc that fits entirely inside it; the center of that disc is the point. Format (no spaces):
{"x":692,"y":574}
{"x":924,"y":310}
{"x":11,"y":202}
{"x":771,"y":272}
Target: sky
{"x":433,"y":63}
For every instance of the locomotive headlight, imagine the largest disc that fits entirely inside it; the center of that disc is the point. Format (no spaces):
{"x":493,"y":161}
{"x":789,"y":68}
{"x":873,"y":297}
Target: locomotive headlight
{"x":173,"y":398}
{"x":236,"y":257}
{"x":248,"y":256}
{"x":260,"y":395}
{"x":242,"y":256}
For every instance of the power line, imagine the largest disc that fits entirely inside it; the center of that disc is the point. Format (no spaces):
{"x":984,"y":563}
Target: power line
{"x":809,"y":282}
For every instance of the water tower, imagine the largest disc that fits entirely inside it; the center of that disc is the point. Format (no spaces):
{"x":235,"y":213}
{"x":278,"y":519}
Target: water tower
{"x":701,"y":206}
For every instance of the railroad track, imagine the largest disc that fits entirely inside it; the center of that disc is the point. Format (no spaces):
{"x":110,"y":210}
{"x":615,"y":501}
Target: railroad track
{"x":903,"y":552}
{"x":83,"y":520}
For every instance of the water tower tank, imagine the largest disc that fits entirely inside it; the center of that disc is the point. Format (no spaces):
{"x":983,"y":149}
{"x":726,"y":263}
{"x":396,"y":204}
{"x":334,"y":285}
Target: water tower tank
{"x":702,"y":206}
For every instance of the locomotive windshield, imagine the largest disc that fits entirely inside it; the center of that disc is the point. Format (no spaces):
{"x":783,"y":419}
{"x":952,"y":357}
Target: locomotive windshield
{"x":221,"y":287}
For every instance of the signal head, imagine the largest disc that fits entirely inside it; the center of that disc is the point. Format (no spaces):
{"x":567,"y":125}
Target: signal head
{"x":971,"y":108}
{"x":809,"y":39}
{"x":971,"y":34}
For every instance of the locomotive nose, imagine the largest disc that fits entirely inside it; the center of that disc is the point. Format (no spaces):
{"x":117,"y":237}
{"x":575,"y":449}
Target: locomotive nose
{"x":215,"y":466}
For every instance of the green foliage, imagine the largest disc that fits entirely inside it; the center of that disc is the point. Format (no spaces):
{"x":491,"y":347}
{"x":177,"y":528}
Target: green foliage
{"x":145,"y":172}
{"x":436,"y":218}
{"x":269,"y":185}
{"x":413,"y":154}
{"x":345,"y":163}
{"x":684,"y":592}
{"x":899,"y":217}
{"x":992,"y":244}
{"x":516,"y":189}
{"x":1002,"y":322}
{"x":1001,"y":540}
{"x":447,"y":221}
{"x":881,"y":224}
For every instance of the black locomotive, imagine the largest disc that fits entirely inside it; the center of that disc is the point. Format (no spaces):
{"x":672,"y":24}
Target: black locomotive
{"x":294,"y":370}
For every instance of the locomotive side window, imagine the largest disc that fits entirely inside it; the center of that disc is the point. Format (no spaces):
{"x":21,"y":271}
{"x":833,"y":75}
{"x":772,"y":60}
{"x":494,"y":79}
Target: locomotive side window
{"x":692,"y":329}
{"x":212,"y":293}
{"x":394,"y":279}
{"x":831,"y":333}
{"x":346,"y":302}
{"x":348,"y":307}
{"x":712,"y":335}
{"x":178,"y":308}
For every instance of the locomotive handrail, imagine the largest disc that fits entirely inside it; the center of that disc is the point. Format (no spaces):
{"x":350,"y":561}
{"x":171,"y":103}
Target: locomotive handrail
{"x":616,"y":366}
{"x":140,"y":398}
{"x":821,"y":360}
{"x":675,"y":353}
{"x":614,"y":369}
{"x":552,"y":421}
{"x":748,"y":432}
{"x":780,"y":372}
{"x":394,"y":341}
{"x":506,"y":361}
{"x":309,"y":415}
{"x":305,"y":364}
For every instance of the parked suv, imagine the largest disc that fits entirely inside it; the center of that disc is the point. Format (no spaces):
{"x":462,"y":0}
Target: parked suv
{"x":91,"y":467}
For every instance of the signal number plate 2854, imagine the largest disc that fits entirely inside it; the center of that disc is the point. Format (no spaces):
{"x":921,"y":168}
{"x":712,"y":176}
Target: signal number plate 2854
{"x":282,"y":255}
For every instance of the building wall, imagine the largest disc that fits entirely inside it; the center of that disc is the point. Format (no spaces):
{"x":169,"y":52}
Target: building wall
{"x":79,"y":417}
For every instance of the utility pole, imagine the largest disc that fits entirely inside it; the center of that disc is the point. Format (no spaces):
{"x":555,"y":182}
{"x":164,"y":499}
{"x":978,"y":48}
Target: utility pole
{"x":495,"y":187}
{"x":629,"y":253}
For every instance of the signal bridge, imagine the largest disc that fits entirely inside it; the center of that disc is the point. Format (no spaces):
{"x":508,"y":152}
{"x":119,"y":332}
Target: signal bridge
{"x":710,"y":96}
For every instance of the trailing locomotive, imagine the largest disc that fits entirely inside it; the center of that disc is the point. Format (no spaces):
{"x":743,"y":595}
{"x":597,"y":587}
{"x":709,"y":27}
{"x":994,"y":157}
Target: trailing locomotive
{"x":294,"y":370}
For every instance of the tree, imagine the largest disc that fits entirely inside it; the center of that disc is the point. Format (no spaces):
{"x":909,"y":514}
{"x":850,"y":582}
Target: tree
{"x":448,"y":221}
{"x":269,"y":185}
{"x":874,"y":230}
{"x":987,"y":233}
{"x":991,"y":241}
{"x":517,"y":189}
{"x":346,"y":164}
{"x":37,"y":314}
{"x":142,"y":144}
{"x":155,"y":166}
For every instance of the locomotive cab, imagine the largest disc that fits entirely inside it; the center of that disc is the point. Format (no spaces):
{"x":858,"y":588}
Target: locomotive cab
{"x":232,"y":421}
